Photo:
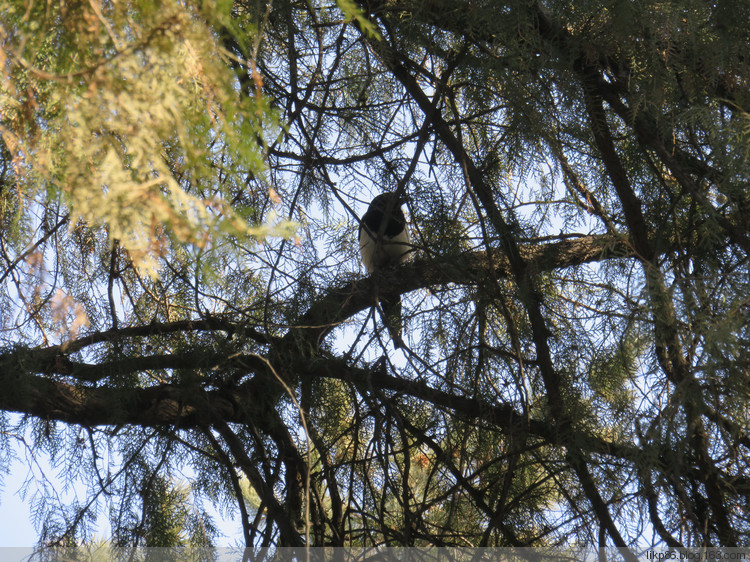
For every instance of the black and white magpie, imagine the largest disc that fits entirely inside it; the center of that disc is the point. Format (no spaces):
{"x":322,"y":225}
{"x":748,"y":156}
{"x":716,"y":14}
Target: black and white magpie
{"x":384,"y":241}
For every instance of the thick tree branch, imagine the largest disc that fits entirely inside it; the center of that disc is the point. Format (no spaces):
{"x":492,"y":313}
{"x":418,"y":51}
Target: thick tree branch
{"x":668,"y":346}
{"x":469,"y":268}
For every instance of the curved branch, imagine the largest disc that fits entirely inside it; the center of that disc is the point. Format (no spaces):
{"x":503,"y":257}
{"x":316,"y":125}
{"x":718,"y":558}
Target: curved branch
{"x":468,"y":268}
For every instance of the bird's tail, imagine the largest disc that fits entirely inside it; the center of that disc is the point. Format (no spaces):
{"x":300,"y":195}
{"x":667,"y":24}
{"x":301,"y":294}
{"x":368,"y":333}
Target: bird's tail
{"x":391,"y":306}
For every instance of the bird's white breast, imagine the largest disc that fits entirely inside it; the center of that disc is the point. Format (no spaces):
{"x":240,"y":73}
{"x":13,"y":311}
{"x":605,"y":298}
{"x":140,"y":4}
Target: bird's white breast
{"x":387,"y":251}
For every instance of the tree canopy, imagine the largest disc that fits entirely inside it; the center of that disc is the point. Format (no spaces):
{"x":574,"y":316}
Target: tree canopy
{"x":184,"y":320}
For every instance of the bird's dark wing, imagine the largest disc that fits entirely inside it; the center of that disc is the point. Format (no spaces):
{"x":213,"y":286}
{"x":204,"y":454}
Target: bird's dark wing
{"x":385,"y":208}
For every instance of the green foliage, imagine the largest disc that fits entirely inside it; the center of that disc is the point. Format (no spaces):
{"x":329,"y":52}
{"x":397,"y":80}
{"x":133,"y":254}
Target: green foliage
{"x":353,"y":12}
{"x":614,"y":367}
{"x":170,"y":518}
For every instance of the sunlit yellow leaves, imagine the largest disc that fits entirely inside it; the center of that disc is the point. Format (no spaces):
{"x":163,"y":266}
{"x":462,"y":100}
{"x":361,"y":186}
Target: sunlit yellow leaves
{"x":68,"y":316}
{"x":125,"y":114}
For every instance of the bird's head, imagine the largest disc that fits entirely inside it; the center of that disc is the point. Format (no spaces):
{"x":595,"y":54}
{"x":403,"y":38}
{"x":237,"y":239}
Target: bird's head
{"x":388,"y":200}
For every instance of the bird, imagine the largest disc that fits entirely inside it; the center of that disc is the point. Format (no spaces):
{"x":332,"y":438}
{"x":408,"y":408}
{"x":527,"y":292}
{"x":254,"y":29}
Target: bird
{"x":384,"y":242}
